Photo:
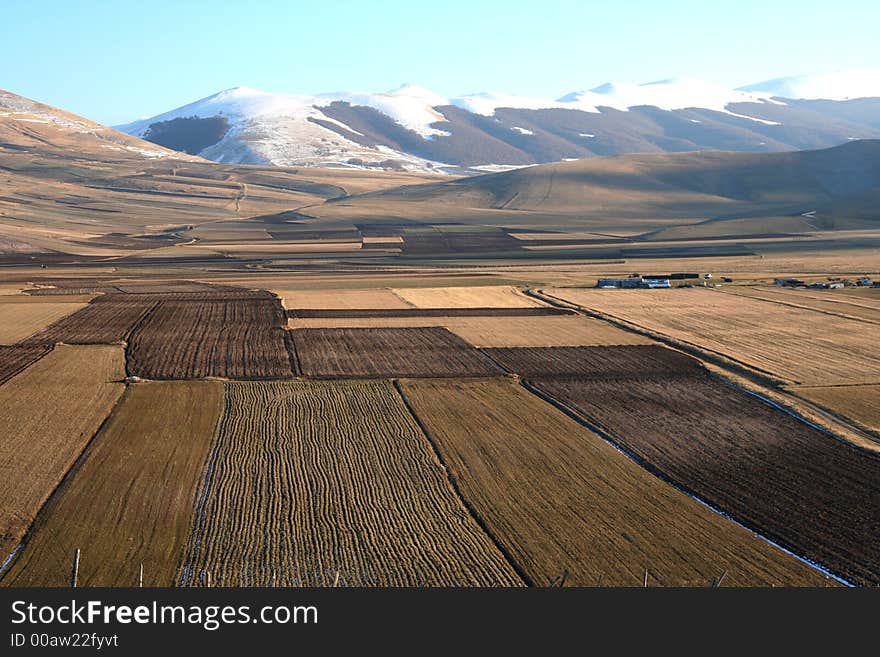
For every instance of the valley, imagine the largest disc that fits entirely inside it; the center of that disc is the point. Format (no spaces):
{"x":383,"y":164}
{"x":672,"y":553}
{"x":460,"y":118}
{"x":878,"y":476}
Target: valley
{"x":241,"y":374}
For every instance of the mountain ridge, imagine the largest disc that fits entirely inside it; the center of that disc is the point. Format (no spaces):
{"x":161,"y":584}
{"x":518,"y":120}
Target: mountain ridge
{"x":414,"y":128}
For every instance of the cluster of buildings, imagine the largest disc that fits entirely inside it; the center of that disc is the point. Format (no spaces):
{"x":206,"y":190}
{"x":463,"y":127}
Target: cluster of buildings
{"x":635,"y":281}
{"x":831,"y":284}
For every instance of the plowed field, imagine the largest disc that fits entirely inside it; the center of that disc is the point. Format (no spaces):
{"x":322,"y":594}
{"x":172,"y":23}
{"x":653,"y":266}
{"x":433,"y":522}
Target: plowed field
{"x":240,"y":339}
{"x":368,"y":352}
{"x":312,"y":484}
{"x":564,"y":501}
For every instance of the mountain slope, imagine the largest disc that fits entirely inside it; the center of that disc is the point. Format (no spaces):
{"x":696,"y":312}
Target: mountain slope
{"x":413,"y":128}
{"x":645,"y":193}
{"x":72,"y":186}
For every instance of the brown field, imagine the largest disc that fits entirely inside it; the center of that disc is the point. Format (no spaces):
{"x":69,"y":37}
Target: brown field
{"x":102,"y":322}
{"x":340,"y":299}
{"x":818,"y":496}
{"x":561,"y":500}
{"x":48,"y":413}
{"x":629,"y":362}
{"x":367,"y":352}
{"x":240,"y":339}
{"x":19,"y":320}
{"x":14,"y":359}
{"x":540,"y":332}
{"x":798,"y":346}
{"x":489,"y":331}
{"x":155,"y":459}
{"x":845,"y":306}
{"x":368,"y":322}
{"x":859,"y":403}
{"x":365,"y":501}
{"x":489,"y":296}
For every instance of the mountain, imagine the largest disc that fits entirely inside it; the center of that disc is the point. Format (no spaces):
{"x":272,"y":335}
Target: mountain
{"x":73,"y":187}
{"x":841,"y":85}
{"x":412,"y":128}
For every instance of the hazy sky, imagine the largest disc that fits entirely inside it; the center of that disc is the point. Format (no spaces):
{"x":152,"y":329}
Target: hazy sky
{"x":115,"y":61}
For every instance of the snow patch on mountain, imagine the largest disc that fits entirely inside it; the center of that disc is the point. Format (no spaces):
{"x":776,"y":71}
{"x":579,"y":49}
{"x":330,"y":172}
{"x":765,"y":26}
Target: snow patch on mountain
{"x":840,"y":85}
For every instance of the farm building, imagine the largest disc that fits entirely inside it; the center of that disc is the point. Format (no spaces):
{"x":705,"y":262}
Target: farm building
{"x":632,"y":283}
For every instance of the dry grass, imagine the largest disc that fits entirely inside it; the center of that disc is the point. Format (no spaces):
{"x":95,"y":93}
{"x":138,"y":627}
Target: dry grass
{"x":341,"y":299}
{"x":311,"y":484}
{"x":562,"y":500}
{"x":48,"y":413}
{"x":132,"y":500}
{"x":19,"y":320}
{"x":859,"y":403}
{"x":540,"y":332}
{"x":796,"y":345}
{"x":489,"y":296}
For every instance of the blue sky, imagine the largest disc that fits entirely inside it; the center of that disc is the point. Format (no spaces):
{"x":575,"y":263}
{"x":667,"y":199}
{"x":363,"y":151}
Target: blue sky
{"x":117,"y":61}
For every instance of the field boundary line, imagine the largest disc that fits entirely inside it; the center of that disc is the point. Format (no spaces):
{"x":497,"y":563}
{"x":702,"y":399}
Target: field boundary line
{"x":731,"y":365}
{"x":134,"y":328}
{"x":71,"y":472}
{"x":722,"y":360}
{"x":183,"y":576}
{"x":607,"y":437}
{"x":27,"y":365}
{"x":791,"y":304}
{"x":793,"y":413}
{"x":458,"y":493}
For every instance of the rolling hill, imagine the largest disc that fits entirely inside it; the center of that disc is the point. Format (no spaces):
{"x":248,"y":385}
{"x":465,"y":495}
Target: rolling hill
{"x":753,"y":193}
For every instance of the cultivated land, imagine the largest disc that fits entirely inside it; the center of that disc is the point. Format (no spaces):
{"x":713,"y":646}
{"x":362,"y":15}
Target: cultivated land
{"x":238,"y":339}
{"x":341,"y":299}
{"x":492,"y":331}
{"x":540,"y":332}
{"x":859,"y":403}
{"x":13,"y":359}
{"x":867,"y":310}
{"x":19,"y":320}
{"x":366,"y":502}
{"x":568,"y":506}
{"x":174,"y":256}
{"x":385,"y":353}
{"x":816,"y":495}
{"x":791,"y":344}
{"x":100,"y":322}
{"x":131,"y":501}
{"x":48,"y":413}
{"x":466,"y":297}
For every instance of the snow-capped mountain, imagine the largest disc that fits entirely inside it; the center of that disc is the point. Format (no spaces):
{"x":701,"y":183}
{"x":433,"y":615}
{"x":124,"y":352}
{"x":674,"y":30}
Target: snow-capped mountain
{"x":841,"y":85}
{"x":414,"y":128}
